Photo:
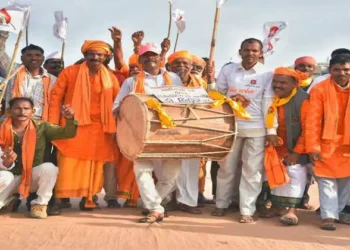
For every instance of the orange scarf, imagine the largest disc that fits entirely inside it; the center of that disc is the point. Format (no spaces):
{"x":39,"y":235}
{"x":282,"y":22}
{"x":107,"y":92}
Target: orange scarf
{"x":197,"y":82}
{"x":28,"y":151}
{"x":18,"y":85}
{"x":331,"y":114}
{"x":275,"y":171}
{"x":82,"y":98}
{"x":139,"y":86}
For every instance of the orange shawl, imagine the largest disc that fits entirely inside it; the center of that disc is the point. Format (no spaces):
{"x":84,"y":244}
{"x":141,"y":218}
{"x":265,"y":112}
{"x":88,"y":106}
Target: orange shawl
{"x":331,"y":114}
{"x":28,"y":151}
{"x":275,"y":171}
{"x":18,"y":85}
{"x":197,"y":82}
{"x":139,"y":86}
{"x":82,"y":98}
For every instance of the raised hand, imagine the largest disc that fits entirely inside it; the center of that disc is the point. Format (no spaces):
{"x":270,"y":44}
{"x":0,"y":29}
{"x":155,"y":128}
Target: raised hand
{"x":137,"y":37}
{"x":116,"y":34}
{"x":165,"y":45}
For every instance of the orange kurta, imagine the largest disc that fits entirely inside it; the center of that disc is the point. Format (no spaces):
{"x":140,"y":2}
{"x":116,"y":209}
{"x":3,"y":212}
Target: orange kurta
{"x":91,"y":143}
{"x":335,"y":154}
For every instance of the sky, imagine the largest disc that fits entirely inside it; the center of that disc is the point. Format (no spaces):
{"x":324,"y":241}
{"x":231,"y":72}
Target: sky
{"x":315,"y":27}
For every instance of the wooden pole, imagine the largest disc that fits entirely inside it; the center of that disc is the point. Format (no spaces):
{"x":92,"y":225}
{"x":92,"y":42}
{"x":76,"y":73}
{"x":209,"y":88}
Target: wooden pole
{"x":27,"y":36}
{"x":63,"y":49}
{"x":213,"y":39}
{"x":170,"y":19}
{"x":8,"y":76}
{"x":177,"y":39}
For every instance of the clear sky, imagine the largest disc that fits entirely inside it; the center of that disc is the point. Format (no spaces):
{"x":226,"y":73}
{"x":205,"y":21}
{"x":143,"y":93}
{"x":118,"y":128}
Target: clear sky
{"x":315,"y":27}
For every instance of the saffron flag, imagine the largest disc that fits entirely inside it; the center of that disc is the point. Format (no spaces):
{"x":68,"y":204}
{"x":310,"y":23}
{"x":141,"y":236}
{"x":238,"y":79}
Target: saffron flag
{"x":14,"y":18}
{"x":60,"y":26}
{"x":219,"y":3}
{"x":178,"y":17}
{"x":271,"y":32}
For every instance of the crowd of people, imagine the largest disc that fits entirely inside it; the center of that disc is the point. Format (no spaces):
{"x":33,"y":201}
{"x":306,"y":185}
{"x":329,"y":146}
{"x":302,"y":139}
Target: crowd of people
{"x":58,"y":134}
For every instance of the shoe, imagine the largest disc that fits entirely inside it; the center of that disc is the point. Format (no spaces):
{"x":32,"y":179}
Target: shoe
{"x":190,"y":210}
{"x":113,"y":204}
{"x":30,"y":198}
{"x":38,"y":211}
{"x":87,"y":209}
{"x":53,"y":210}
{"x":346,"y":209}
{"x":65,"y":203}
{"x":202,"y":200}
{"x":16,"y":205}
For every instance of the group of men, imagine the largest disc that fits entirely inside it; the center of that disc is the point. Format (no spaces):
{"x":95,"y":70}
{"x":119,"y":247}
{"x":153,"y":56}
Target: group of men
{"x":58,"y":136}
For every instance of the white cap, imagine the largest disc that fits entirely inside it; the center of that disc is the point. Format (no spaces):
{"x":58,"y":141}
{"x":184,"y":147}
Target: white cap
{"x":54,"y":55}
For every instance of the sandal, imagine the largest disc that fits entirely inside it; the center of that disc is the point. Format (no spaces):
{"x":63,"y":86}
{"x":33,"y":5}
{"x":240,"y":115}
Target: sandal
{"x":219,"y":212}
{"x":152,"y":218}
{"x":289,"y":220}
{"x":328,"y":224}
{"x":246,"y":219}
{"x":190,"y":210}
{"x":344,"y":218}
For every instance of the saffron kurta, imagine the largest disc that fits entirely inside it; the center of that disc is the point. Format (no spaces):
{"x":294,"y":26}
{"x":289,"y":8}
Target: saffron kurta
{"x":335,"y":152}
{"x":81,"y":159}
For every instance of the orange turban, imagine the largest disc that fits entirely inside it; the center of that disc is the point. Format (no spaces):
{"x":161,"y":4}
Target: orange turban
{"x":180,"y":54}
{"x":96,"y":45}
{"x":305,"y":59}
{"x":199,"y":60}
{"x":299,"y":76}
{"x":134,"y":59}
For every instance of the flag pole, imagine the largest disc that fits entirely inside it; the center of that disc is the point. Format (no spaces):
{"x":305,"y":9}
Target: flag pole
{"x":27,"y":36}
{"x":177,"y":39}
{"x":63,"y":49}
{"x":213,"y":39}
{"x":170,"y":11}
{"x":12,"y":63}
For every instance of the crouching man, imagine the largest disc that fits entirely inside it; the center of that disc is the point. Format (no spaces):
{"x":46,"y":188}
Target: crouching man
{"x":23,"y":142}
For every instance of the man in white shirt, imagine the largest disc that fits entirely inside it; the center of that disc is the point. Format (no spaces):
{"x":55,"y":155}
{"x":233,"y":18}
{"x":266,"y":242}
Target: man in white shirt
{"x":319,"y":79}
{"x":249,"y":83}
{"x":166,"y":170}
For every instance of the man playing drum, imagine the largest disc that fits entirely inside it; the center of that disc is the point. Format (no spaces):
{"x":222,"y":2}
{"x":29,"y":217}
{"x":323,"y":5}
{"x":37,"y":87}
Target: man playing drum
{"x":152,"y":76}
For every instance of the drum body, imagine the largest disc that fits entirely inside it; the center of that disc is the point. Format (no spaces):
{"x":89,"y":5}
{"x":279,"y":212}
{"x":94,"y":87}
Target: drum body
{"x":200,"y":132}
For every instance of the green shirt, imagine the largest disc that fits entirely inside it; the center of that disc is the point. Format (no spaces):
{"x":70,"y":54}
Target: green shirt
{"x":45,"y":132}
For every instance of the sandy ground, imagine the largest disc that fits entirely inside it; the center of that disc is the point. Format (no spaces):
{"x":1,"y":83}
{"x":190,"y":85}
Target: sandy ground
{"x":118,"y":229}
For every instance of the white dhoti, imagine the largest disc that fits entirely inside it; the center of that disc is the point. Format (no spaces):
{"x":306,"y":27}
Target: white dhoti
{"x":291,"y":194}
{"x":166,"y":172}
{"x":187,"y":182}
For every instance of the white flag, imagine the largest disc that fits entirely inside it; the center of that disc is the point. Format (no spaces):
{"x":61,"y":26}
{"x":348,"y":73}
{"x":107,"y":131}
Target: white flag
{"x":271,"y":31}
{"x":60,"y":26}
{"x":14,"y":17}
{"x":219,"y":3}
{"x":178,"y":17}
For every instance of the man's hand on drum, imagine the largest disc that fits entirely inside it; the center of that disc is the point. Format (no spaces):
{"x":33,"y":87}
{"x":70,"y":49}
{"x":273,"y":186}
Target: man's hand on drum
{"x":272,"y":140}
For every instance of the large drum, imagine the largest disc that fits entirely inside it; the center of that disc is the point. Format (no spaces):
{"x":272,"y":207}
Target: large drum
{"x":200,"y":132}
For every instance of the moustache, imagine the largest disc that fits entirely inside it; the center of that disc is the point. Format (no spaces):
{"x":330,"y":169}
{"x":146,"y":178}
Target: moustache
{"x":93,"y":60}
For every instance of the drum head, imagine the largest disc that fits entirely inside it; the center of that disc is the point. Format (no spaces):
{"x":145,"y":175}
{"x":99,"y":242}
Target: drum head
{"x":132,"y":127}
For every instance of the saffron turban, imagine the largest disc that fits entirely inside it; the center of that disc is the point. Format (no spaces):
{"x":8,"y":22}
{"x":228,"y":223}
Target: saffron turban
{"x":305,"y":59}
{"x":299,"y":76}
{"x":180,"y":54}
{"x":97,"y":46}
{"x":199,"y":60}
{"x":134,"y":59}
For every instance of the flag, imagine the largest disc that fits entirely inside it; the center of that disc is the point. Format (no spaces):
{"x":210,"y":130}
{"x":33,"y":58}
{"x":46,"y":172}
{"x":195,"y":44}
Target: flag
{"x":219,"y":3}
{"x":178,"y":17}
{"x":271,"y":31}
{"x":60,"y":26}
{"x":14,"y":17}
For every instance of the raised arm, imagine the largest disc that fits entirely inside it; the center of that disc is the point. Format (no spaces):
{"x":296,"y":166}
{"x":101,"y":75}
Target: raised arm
{"x":116,"y":36}
{"x":57,"y":97}
{"x":4,"y":58}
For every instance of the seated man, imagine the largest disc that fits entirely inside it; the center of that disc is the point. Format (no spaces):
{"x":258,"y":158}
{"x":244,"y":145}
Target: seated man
{"x":23,"y":142}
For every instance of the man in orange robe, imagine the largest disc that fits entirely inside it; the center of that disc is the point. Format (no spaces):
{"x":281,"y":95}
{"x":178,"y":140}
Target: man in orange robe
{"x":328,"y":140}
{"x":90,"y":88}
{"x":290,"y":105}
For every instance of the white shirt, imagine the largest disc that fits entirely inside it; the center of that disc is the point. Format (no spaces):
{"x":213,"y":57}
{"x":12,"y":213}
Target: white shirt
{"x":150,"y":82}
{"x":317,"y":81}
{"x":255,"y":85}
